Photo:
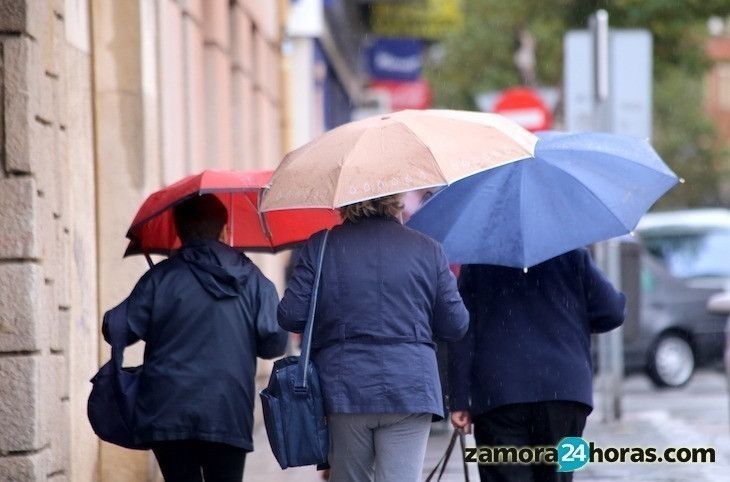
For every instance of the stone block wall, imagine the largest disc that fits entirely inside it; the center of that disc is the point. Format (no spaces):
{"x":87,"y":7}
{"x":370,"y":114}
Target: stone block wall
{"x":170,"y":87}
{"x":48,"y":319}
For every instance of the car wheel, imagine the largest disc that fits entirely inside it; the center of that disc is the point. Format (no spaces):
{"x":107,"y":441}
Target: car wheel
{"x":671,"y":361}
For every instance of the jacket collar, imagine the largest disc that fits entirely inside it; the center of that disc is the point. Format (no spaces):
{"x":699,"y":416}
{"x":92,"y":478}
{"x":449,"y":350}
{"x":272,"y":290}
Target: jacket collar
{"x":383,"y":217}
{"x":202,"y":242}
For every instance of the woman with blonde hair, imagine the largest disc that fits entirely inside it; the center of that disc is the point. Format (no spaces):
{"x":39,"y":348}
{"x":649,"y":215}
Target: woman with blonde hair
{"x":386,"y":294}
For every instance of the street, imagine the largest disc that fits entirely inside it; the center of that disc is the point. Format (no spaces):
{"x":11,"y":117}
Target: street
{"x":694,"y":416}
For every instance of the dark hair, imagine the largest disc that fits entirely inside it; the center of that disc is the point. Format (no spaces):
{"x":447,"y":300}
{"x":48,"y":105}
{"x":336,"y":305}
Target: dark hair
{"x":200,"y":218}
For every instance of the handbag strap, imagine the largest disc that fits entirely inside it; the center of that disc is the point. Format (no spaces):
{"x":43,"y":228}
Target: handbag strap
{"x":458,"y":433}
{"x":300,"y":383}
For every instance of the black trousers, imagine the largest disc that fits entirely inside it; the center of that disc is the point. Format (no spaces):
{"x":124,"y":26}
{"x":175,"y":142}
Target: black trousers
{"x":196,"y":460}
{"x":528,"y":424}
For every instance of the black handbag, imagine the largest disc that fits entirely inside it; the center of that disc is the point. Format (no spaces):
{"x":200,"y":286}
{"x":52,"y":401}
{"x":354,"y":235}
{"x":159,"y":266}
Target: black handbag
{"x":293,"y":404}
{"x":458,"y":433}
{"x":111,"y":403}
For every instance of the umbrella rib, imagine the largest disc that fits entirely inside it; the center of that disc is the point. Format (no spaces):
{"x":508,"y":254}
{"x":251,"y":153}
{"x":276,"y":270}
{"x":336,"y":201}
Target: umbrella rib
{"x":489,"y":168}
{"x":581,"y":183}
{"x":632,"y":161}
{"x":262,"y":217}
{"x":530,"y":151}
{"x":433,"y":157}
{"x":160,"y":211}
{"x":528,"y":154}
{"x":342,"y":166}
{"x":465,"y":211}
{"x":197,"y":192}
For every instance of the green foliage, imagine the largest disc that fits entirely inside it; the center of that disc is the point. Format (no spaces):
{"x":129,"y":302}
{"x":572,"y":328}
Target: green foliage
{"x":480,"y":58}
{"x":686,"y":138}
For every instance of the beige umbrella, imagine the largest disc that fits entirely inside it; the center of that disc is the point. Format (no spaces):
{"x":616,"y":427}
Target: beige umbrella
{"x":394,"y":153}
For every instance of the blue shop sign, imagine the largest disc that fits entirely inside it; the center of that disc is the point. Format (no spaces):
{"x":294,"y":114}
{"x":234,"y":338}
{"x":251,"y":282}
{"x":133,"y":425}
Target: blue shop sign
{"x":396,"y":59}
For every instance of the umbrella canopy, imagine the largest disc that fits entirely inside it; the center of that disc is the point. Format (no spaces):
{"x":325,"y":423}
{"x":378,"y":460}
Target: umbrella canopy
{"x":394,"y":153}
{"x":578,"y":189}
{"x":153,"y":229}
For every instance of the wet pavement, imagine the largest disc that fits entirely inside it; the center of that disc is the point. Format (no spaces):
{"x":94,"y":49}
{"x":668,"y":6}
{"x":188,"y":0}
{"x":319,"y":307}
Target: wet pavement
{"x":694,"y":416}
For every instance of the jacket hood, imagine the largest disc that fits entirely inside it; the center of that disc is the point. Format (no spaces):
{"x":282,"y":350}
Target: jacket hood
{"x":221,"y":270}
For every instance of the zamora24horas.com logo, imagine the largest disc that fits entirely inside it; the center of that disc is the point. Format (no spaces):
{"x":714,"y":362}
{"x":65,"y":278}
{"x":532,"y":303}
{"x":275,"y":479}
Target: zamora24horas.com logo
{"x":574,"y":453}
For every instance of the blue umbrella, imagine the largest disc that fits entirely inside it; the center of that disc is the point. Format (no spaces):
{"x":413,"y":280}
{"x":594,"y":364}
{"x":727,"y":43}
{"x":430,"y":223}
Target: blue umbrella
{"x":578,"y":189}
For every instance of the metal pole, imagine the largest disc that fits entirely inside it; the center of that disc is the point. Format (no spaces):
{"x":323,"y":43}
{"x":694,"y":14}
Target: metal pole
{"x":598,"y":26}
{"x":615,"y":337}
{"x":610,"y":345}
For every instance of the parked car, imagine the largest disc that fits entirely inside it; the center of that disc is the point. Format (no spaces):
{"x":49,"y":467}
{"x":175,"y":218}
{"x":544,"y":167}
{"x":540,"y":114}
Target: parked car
{"x":720,"y":304}
{"x":692,"y":244}
{"x":676,"y":333}
{"x":686,"y":261}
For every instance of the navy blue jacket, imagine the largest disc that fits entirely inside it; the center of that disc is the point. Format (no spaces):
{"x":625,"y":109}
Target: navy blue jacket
{"x":529,"y":335}
{"x":386,"y":293}
{"x":205,"y":314}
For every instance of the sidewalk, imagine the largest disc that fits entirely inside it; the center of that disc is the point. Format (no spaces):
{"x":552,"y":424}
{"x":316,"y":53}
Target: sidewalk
{"x":655,"y":428}
{"x":695,"y":416}
{"x":647,"y":429}
{"x":261,"y":464}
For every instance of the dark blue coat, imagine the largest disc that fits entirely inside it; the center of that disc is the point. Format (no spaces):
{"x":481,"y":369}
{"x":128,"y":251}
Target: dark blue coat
{"x":529,"y":335}
{"x":205,"y":314}
{"x":386,"y":293}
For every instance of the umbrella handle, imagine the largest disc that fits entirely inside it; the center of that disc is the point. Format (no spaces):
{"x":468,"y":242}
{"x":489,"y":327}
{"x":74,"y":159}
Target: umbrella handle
{"x":149,"y":260}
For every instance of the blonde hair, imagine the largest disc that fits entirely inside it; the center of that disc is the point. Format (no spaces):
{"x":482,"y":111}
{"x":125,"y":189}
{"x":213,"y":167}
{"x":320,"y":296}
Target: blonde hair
{"x":382,"y":206}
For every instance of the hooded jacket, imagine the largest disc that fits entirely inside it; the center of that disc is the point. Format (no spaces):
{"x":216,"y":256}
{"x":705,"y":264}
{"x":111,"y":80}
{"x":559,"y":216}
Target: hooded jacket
{"x":205,"y":315}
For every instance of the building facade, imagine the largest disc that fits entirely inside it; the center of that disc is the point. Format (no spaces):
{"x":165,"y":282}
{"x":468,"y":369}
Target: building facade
{"x":101,"y":103}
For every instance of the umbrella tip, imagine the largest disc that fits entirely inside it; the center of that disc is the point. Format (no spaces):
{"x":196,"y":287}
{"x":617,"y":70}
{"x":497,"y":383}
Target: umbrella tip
{"x":681,"y":180}
{"x":632,"y":233}
{"x":524,"y":270}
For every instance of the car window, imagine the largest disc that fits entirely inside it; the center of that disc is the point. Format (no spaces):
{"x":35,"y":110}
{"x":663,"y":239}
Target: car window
{"x":692,"y":255}
{"x":648,"y":280}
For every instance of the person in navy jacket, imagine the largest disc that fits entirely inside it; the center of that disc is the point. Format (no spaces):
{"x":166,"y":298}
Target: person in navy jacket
{"x":523,"y":374}
{"x":205,"y":314}
{"x":386,"y":294}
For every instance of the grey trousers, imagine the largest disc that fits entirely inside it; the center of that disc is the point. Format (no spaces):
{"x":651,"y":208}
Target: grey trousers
{"x":380,"y":447}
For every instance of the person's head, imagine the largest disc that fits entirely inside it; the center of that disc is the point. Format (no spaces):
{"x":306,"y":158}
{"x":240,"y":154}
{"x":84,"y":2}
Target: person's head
{"x":414,"y":200}
{"x":382,"y":206}
{"x":200,"y":218}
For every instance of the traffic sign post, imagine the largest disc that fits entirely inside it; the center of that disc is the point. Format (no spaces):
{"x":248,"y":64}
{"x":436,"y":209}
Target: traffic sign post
{"x":630,"y":83}
{"x":610,"y":345}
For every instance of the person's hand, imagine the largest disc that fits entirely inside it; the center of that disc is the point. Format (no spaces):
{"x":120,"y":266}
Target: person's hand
{"x":461,"y":419}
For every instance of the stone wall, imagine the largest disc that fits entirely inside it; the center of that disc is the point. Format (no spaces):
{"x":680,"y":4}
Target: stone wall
{"x":101,"y":103}
{"x":48,"y":315}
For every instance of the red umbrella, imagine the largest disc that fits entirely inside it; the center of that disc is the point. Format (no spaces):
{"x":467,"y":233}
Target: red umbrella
{"x":153,"y":229}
